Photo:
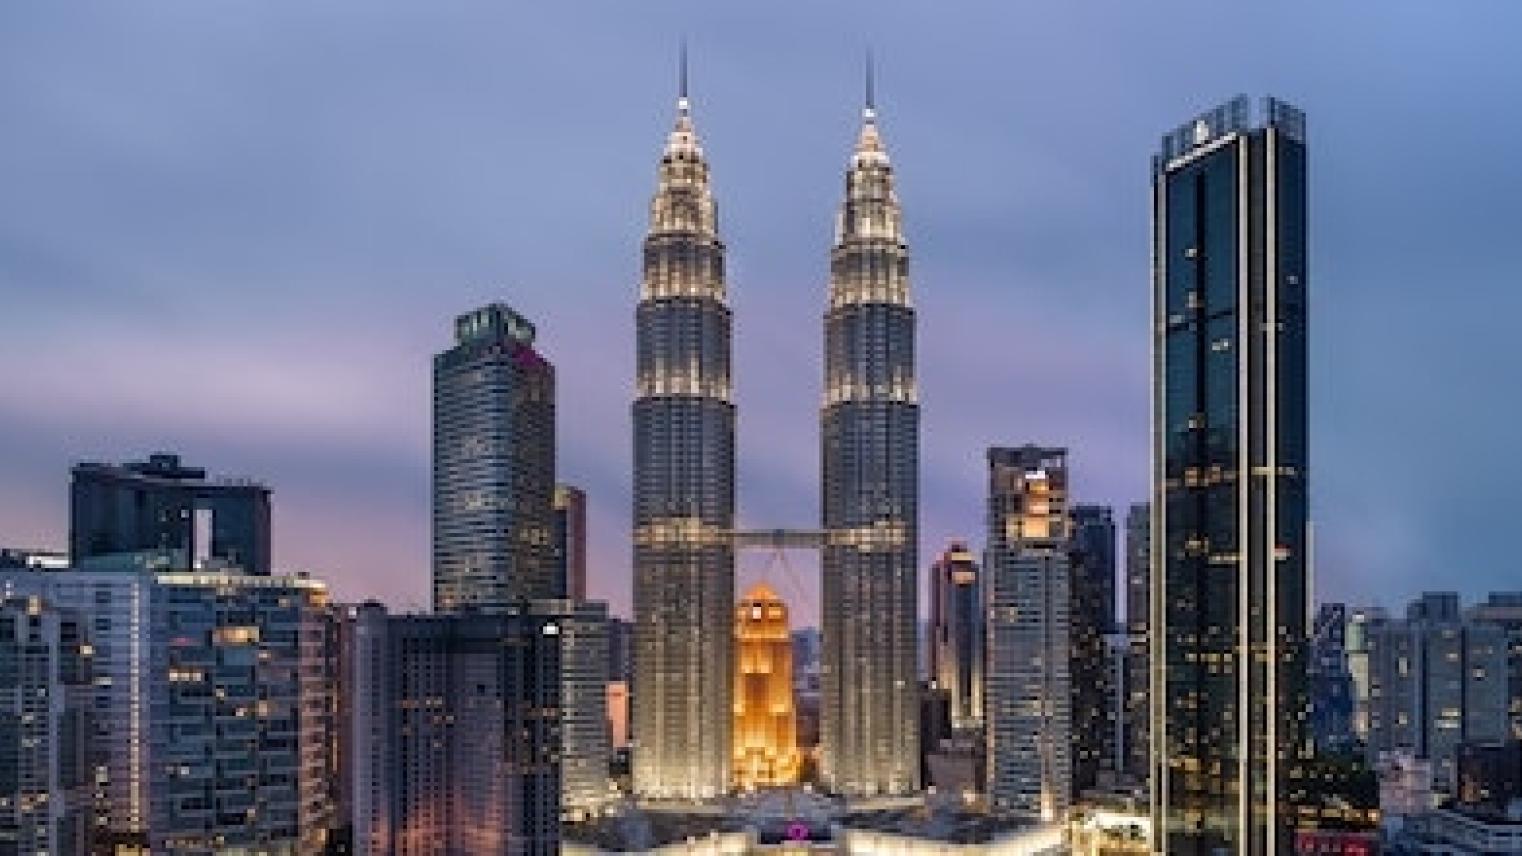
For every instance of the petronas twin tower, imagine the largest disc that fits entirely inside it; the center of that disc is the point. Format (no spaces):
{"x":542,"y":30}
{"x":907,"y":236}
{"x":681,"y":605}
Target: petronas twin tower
{"x":684,"y":489}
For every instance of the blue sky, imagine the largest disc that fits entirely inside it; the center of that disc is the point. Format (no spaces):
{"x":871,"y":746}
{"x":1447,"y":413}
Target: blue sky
{"x":239,"y":230}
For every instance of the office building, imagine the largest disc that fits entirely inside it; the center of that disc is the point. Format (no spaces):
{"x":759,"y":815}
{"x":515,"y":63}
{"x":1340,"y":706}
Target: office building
{"x":870,"y":490}
{"x":1331,"y":682}
{"x":766,"y":720}
{"x":456,"y":734}
{"x":571,"y":540}
{"x":1091,"y":617}
{"x":45,"y":770}
{"x":1356,"y":645}
{"x":956,"y":634}
{"x":1028,"y":699}
{"x":684,"y":486}
{"x":1504,"y":609}
{"x":1229,"y":586}
{"x":1138,"y":668}
{"x":1436,"y":681}
{"x":163,"y":505}
{"x":493,"y":466}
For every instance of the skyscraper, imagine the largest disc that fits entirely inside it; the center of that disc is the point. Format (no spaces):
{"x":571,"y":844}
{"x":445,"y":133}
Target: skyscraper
{"x":870,"y":489}
{"x":1138,"y":665}
{"x":766,"y":720}
{"x":162,"y":505}
{"x":1091,"y":617}
{"x":456,"y":734}
{"x":1229,"y":592}
{"x":571,"y":540}
{"x":493,"y":465}
{"x":684,"y":486}
{"x":1028,"y":701}
{"x":956,"y":634}
{"x":45,"y":775}
{"x":1330,"y":681}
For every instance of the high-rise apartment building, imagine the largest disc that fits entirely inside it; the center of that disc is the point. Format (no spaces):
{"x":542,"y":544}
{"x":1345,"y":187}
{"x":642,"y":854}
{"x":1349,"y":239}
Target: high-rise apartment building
{"x":870,"y":490}
{"x":956,"y":634}
{"x":1229,"y":583}
{"x":684,"y":486}
{"x":1356,"y":646}
{"x":1028,"y":699}
{"x":584,"y":733}
{"x":456,"y":734}
{"x":1437,"y":680}
{"x":45,"y":769}
{"x":211,"y":710}
{"x":1091,"y":618}
{"x":571,"y":540}
{"x":1138,"y":670}
{"x":163,"y":505}
{"x":766,"y":719}
{"x":493,"y":466}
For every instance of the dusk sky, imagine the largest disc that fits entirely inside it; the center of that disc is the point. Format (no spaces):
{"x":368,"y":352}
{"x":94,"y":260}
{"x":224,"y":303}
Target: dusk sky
{"x":239,"y":230}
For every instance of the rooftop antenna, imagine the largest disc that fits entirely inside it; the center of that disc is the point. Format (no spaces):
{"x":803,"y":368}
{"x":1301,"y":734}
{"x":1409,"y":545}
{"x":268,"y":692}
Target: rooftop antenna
{"x":871,"y":103}
{"x":681,"y":88}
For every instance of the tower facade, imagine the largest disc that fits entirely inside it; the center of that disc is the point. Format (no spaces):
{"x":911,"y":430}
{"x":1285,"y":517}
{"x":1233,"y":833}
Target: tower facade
{"x":684,"y":487}
{"x":870,"y":490}
{"x":956,"y":634}
{"x":1029,"y":701}
{"x":1091,"y":619}
{"x":493,"y":466}
{"x":766,"y":720}
{"x":1229,"y":584}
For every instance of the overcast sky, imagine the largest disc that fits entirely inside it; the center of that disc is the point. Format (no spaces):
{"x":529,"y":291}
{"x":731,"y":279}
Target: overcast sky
{"x":240,"y":229}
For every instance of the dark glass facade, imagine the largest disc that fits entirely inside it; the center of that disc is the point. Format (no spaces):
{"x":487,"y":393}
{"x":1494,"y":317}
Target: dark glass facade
{"x":1091,"y":613}
{"x":162,"y":505}
{"x":1229,"y":596}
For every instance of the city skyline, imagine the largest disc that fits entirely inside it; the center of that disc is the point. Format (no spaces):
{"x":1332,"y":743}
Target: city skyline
{"x":354,"y":497}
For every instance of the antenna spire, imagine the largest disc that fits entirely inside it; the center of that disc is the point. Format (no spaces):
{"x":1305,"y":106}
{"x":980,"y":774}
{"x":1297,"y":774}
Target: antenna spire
{"x":681,"y":88}
{"x":871,"y":103}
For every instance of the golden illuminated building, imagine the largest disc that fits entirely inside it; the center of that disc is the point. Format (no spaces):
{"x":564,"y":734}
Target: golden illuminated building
{"x":766,"y":722}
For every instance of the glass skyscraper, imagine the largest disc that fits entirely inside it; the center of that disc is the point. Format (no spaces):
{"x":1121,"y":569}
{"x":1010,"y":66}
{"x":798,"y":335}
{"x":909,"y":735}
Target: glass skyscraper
{"x":1091,"y":618}
{"x":956,"y":634}
{"x":493,"y":466}
{"x":1229,"y":590}
{"x":870,"y":490}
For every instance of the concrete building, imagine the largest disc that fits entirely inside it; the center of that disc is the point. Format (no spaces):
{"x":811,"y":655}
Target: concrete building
{"x":1091,"y":617}
{"x":956,"y":634}
{"x":1437,"y":680}
{"x":163,"y":505}
{"x":684,"y":486}
{"x":1230,"y":592}
{"x":1028,"y":698}
{"x":1356,"y":644}
{"x":869,"y":427}
{"x":45,"y":772}
{"x":493,"y":466}
{"x":456,"y":734}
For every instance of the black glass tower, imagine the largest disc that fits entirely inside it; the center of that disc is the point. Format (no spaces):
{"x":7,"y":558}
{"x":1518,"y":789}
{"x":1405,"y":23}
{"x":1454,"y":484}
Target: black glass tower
{"x":1229,"y":584}
{"x":162,"y":505}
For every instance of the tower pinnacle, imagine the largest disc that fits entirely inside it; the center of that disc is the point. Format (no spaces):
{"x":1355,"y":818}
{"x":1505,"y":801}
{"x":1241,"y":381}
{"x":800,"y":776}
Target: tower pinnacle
{"x":869,"y":109}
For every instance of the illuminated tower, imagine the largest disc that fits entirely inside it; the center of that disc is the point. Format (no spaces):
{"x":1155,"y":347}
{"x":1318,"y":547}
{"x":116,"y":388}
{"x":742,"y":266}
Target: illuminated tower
{"x":684,"y":487}
{"x":1229,"y":583}
{"x":1028,"y":701}
{"x":766,"y":723}
{"x":870,"y":487}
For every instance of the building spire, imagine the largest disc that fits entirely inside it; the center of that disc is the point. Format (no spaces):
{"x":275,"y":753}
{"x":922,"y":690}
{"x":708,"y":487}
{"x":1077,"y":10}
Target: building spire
{"x":869,"y":109}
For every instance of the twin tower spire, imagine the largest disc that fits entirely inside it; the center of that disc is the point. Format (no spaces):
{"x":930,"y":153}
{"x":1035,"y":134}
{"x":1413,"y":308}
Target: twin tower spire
{"x":684,"y":488}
